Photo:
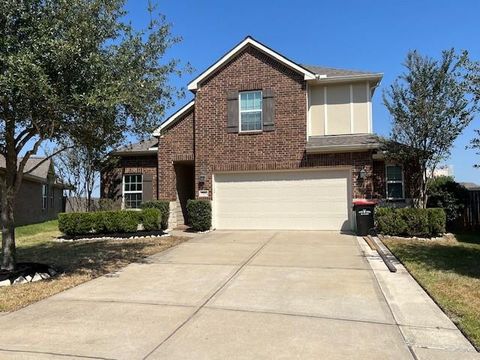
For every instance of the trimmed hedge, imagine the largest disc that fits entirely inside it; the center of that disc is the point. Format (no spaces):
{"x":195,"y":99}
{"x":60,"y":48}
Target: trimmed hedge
{"x":199,"y":214}
{"x":108,"y":222}
{"x":410,"y":222}
{"x":151,"y":219}
{"x":163,"y":206}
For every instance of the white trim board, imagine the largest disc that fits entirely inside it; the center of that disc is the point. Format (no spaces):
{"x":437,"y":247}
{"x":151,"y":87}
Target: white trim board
{"x":173,"y":118}
{"x":308,"y":75}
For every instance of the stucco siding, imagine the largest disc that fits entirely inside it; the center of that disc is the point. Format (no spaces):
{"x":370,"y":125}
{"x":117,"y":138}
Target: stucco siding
{"x":339,"y":109}
{"x":317,"y":110}
{"x":360,"y":108}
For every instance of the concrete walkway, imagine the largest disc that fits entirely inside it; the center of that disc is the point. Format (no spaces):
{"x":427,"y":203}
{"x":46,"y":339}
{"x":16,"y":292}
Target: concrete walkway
{"x":239,"y":295}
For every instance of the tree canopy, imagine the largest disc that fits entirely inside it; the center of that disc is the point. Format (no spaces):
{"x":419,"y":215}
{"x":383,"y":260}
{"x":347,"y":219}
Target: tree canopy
{"x":75,"y":73}
{"x":430,"y":105}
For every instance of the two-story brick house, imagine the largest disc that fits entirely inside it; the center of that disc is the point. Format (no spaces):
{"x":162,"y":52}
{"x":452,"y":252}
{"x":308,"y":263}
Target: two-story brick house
{"x":273,"y":144}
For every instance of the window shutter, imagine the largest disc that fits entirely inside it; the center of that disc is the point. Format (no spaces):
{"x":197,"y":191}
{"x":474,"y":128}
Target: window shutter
{"x":147,"y":188}
{"x":268,"y":110}
{"x":232,"y":112}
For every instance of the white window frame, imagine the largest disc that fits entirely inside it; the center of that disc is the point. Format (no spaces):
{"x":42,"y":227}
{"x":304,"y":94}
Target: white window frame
{"x":44,"y":196}
{"x":240,"y":111}
{"x":387,"y":182}
{"x":52,"y":197}
{"x":124,"y":192}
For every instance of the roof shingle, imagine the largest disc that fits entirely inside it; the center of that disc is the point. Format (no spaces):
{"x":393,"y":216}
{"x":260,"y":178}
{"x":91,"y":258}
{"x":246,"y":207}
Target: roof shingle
{"x":335,"y":72}
{"x":337,"y":142}
{"x":40,"y":172}
{"x":140,"y":147}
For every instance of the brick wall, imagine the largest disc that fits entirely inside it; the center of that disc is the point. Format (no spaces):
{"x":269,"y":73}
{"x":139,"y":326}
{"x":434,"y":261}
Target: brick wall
{"x":201,"y":134}
{"x":177,"y":144}
{"x":111,"y":186}
{"x":218,"y":150}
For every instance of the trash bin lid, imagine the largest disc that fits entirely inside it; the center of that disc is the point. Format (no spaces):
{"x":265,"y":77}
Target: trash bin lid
{"x":364,"y":202}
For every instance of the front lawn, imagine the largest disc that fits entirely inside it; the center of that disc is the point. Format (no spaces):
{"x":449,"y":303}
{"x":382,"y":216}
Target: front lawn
{"x":449,"y":270}
{"x":78,"y":261}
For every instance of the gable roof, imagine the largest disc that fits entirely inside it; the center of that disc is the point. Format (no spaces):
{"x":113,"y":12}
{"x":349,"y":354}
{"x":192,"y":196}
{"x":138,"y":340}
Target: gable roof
{"x":174,"y":117}
{"x":40,"y":172}
{"x":143,"y":147}
{"x":249,"y":41}
{"x":310,"y":72}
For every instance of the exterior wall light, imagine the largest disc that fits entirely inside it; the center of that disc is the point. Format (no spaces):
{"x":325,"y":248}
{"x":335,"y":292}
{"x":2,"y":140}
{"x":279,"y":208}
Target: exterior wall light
{"x":362,"y":175}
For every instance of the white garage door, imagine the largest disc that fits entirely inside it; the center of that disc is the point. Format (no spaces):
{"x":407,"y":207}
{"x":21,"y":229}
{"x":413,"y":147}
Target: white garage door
{"x":284,"y":200}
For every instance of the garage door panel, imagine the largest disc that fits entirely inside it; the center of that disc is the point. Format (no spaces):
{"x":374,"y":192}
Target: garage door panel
{"x":306,"y":209}
{"x":316,"y":200}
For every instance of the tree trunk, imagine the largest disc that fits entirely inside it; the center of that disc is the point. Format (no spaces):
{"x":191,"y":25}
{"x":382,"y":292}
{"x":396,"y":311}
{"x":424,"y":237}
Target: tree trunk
{"x":7,"y":216}
{"x":423,"y":188}
{"x":8,"y":194}
{"x":8,"y":232}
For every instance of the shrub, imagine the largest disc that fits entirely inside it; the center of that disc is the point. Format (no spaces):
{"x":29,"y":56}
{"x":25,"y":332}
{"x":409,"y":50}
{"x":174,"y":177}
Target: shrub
{"x":437,"y":220}
{"x":129,"y":220}
{"x":199,"y":214}
{"x":163,"y":206}
{"x":444,"y":192}
{"x":410,"y":222}
{"x":387,"y":222}
{"x":108,"y":222}
{"x":81,"y":223}
{"x":151,"y":219}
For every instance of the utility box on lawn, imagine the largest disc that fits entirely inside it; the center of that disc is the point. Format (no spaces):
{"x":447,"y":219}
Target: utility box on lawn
{"x":364,"y":211}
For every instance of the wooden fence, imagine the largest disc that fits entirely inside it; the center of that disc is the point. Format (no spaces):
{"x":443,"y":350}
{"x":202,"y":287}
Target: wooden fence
{"x":471,"y":215}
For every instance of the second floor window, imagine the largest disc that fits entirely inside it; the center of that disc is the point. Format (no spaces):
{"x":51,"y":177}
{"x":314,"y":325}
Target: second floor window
{"x":132,"y":191}
{"x":250,"y":110}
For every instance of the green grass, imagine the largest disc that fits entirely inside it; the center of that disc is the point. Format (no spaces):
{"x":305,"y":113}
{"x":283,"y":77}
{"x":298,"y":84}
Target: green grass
{"x":35,"y":229}
{"x":449,"y":270}
{"x":77,"y":261}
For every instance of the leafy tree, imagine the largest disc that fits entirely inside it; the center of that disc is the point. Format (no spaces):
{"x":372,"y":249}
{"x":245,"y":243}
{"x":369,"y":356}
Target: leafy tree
{"x":444,"y":192}
{"x":430,"y":105}
{"x":74,"y":73}
{"x":474,"y":78}
{"x":475,"y":144}
{"x":80,"y":167}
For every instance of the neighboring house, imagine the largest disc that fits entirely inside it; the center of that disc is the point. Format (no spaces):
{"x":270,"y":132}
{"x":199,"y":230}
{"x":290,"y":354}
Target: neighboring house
{"x":40,"y":197}
{"x":273,"y":144}
{"x":443,"y":170}
{"x":470,"y":186}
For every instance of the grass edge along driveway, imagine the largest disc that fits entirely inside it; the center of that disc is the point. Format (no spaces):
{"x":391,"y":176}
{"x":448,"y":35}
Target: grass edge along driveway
{"x":449,"y":270}
{"x":78,"y":261}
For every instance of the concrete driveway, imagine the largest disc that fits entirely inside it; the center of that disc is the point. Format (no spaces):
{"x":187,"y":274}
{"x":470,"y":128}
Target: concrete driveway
{"x":224,"y":295}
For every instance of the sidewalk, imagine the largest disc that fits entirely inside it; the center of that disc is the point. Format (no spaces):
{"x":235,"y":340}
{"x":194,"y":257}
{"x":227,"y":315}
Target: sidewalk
{"x":428,"y":332}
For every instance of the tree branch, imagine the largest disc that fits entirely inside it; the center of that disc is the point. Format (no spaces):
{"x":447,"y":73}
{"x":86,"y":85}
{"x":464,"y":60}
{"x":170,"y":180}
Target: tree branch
{"x":23,"y":162}
{"x":48,"y":158}
{"x":24,"y":137}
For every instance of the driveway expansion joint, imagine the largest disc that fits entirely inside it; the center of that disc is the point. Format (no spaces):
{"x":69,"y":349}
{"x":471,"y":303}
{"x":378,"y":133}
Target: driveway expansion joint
{"x":312,"y":316}
{"x":109,"y":301}
{"x":55,"y":354}
{"x":250,"y":258}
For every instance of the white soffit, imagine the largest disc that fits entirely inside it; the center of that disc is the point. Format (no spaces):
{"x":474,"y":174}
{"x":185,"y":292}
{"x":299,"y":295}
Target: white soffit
{"x":174,"y":117}
{"x":308,"y":75}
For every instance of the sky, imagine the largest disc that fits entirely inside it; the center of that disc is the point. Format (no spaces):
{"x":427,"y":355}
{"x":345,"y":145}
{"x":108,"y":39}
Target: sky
{"x":364,"y":35}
